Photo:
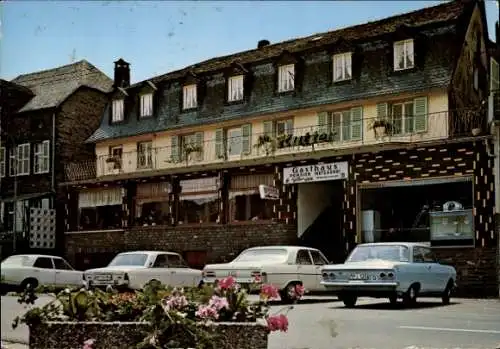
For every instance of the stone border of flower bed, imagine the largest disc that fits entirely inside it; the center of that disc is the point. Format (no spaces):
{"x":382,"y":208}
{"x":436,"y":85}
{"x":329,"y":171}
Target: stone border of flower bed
{"x":124,"y":335}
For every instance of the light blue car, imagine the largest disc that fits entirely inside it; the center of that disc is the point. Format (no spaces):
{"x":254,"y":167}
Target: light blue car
{"x":390,"y":270}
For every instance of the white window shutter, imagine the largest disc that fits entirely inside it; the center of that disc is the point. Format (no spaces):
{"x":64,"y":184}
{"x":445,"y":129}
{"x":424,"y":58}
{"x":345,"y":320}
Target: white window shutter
{"x":323,"y":122}
{"x":356,"y":123}
{"x":382,"y":111}
{"x":268,"y":128}
{"x":174,"y":149}
{"x":246,"y":139}
{"x":420,"y":114}
{"x":219,"y":143}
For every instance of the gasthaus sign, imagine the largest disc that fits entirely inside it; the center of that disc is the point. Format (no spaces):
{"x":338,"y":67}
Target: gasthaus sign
{"x":315,"y":173}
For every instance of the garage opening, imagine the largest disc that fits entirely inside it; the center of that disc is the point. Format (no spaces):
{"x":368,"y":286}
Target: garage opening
{"x":434,"y":211}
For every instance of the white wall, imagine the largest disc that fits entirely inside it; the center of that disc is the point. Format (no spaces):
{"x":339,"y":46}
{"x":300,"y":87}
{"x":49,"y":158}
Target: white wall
{"x":312,"y":199}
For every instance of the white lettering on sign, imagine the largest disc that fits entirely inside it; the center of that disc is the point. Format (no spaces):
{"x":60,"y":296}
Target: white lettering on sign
{"x":315,"y":173}
{"x":269,"y":193}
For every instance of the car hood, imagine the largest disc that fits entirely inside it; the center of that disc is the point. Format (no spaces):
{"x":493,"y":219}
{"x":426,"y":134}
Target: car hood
{"x":365,"y":265}
{"x":237,"y":265}
{"x":114,"y":269}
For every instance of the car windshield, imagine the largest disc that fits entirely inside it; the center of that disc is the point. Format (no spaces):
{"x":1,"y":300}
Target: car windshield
{"x":396,"y":253}
{"x":268,"y":254}
{"x":17,"y":260}
{"x":133,"y":259}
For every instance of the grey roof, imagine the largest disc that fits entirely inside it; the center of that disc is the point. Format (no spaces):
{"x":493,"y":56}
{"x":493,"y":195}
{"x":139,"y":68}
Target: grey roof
{"x":51,"y":87}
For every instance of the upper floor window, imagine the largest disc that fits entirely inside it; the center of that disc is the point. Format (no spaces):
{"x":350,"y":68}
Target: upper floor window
{"x":12,"y":161}
{"x":404,"y":55}
{"x":117,"y":110}
{"x":41,"y":158}
{"x":346,"y":125}
{"x":234,"y":141}
{"x":235,"y":88}
{"x":189,"y":97}
{"x":342,"y":66}
{"x":115,"y":157}
{"x":495,"y":76}
{"x":278,"y":128}
{"x":144,"y":155}
{"x":286,"y":78}
{"x":23,"y":159}
{"x":187,"y":147}
{"x":3,"y":155}
{"x":405,"y":117}
{"x":146,"y":105}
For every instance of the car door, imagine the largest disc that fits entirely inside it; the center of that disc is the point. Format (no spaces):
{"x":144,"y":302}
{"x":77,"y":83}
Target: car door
{"x":422,"y":271}
{"x":65,"y":274}
{"x":160,"y":270}
{"x":180,"y":275}
{"x":438,"y":273}
{"x":319,"y":260}
{"x":44,"y":272}
{"x":306,"y":270}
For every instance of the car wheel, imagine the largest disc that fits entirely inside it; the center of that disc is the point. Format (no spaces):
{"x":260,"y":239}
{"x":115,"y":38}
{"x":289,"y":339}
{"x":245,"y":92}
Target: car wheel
{"x":349,"y":300}
{"x":29,"y":283}
{"x":393,"y":299}
{"x":285,"y":293}
{"x":410,"y":297}
{"x":447,"y":293}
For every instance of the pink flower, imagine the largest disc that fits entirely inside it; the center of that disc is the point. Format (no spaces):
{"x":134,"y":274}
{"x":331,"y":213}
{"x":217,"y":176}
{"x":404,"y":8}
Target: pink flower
{"x":174,"y":302}
{"x":207,"y":312}
{"x":277,"y":323}
{"x":257,"y":279}
{"x":227,"y":283}
{"x":297,"y":292}
{"x":269,"y":291}
{"x":88,"y":344}
{"x":218,"y":303}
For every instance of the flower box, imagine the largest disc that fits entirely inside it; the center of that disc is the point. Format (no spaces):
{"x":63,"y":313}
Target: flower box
{"x":124,"y":335}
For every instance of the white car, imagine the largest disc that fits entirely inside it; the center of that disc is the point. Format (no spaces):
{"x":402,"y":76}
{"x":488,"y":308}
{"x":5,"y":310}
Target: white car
{"x":133,"y":270}
{"x":21,"y":271}
{"x":282,"y":266}
{"x":393,"y":270}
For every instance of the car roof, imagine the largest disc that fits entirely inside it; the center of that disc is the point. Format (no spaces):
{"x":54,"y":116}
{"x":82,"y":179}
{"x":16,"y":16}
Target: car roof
{"x":34,"y":256}
{"x":407,"y":244}
{"x":287,"y":247}
{"x":148,"y":252}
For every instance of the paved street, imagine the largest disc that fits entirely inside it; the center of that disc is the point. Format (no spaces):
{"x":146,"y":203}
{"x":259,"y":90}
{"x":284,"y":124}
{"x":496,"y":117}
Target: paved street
{"x":321,"y":323}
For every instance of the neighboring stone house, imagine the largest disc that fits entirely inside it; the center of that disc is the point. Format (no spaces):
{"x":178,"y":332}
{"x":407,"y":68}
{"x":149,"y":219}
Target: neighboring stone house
{"x":376,"y":132}
{"x":45,"y":119}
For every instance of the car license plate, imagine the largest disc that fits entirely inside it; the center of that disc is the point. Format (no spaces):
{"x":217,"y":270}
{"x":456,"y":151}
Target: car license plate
{"x":103,"y":277}
{"x":359,"y":276}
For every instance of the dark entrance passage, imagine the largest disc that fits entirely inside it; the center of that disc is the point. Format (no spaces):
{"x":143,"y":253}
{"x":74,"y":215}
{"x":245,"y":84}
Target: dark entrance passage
{"x":319,"y":218}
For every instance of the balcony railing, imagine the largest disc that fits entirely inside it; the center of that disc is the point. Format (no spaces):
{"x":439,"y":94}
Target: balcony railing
{"x":258,"y":146}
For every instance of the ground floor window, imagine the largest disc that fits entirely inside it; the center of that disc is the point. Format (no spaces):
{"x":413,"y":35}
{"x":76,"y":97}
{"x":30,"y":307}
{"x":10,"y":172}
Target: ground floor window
{"x":100,"y":209}
{"x":199,"y":201}
{"x":245,"y":203}
{"x":152,"y":204}
{"x":437,"y":211}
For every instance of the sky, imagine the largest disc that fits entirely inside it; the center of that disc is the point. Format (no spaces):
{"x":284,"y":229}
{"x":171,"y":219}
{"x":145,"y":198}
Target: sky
{"x":160,"y":36}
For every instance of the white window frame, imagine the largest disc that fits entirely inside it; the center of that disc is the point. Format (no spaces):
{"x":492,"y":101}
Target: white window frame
{"x":494,"y":78}
{"x":12,"y":162}
{"x":3,"y":161}
{"x":189,"y":97}
{"x":404,"y":117}
{"x":343,"y":61}
{"x":145,"y":149}
{"x":23,"y":159}
{"x":286,"y":78}
{"x":41,"y":157}
{"x":235,"y":88}
{"x":118,"y":164}
{"x":405,"y":48}
{"x":230,"y":138}
{"x":287,"y":126}
{"x":117,"y":110}
{"x":146,"y":105}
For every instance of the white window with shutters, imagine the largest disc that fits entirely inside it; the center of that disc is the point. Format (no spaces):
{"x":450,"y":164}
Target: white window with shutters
{"x":189,"y":95}
{"x":117,"y":110}
{"x":342,"y":66}
{"x":187,"y":147}
{"x":234,"y":142}
{"x":146,"y":105}
{"x":23,"y":159}
{"x":41,"y":157}
{"x":345,"y":125}
{"x":405,"y":117}
{"x":235,"y":88}
{"x":404,"y":57}
{"x":278,"y":128}
{"x":144,"y":155}
{"x":495,"y":76}
{"x":286,"y":78}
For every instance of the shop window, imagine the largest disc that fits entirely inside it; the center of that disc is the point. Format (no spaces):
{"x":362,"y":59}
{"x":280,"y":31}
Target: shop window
{"x":430,"y":211}
{"x":245,"y":203}
{"x":198,"y":201}
{"x":100,"y":209}
{"x":152,"y":204}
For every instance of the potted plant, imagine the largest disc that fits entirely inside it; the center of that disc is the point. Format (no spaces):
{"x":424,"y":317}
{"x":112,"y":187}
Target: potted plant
{"x":268,"y":143}
{"x":381,"y":127}
{"x":217,"y":316}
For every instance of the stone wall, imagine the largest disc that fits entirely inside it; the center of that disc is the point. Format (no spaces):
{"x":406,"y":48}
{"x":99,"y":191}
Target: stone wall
{"x":221,"y":243}
{"x":124,"y":335}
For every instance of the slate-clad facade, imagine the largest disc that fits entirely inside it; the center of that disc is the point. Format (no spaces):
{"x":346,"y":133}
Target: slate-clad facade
{"x":167,"y":167}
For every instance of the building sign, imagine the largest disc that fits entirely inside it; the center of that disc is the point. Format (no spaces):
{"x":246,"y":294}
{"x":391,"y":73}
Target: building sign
{"x":315,"y":173}
{"x":269,"y":193}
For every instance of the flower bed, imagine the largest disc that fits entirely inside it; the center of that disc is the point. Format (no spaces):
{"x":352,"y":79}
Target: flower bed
{"x":219,"y":316}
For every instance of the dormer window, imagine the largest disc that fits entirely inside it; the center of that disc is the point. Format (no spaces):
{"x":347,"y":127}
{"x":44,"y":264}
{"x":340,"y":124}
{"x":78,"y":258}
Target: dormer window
{"x":286,"y":78}
{"x":404,"y":55}
{"x":146,"y":105}
{"x":117,"y":110}
{"x":342,"y":66}
{"x":235,"y":88}
{"x":189,"y":97}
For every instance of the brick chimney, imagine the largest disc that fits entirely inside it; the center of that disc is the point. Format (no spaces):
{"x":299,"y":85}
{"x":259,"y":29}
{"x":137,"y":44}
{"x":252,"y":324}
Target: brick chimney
{"x":122,"y":73}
